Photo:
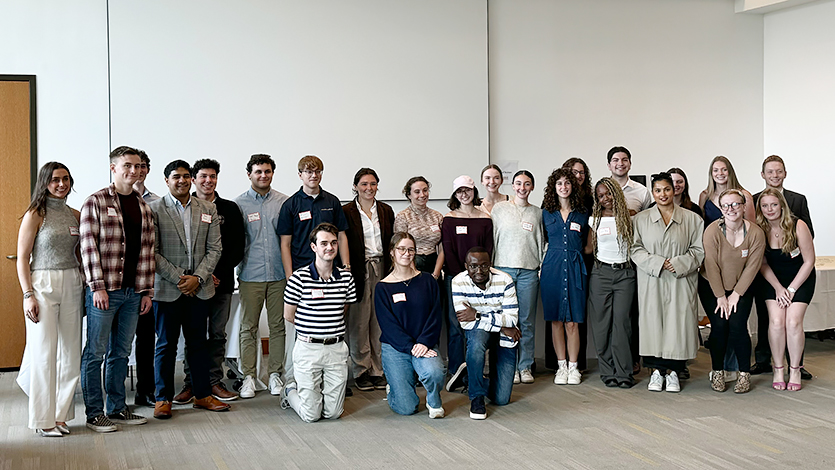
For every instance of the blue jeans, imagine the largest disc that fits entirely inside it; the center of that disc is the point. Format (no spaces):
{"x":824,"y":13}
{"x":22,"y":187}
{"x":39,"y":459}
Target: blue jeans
{"x":456,"y":342}
{"x":502,"y":367}
{"x":527,"y":292}
{"x":400,"y":369}
{"x":109,"y":331}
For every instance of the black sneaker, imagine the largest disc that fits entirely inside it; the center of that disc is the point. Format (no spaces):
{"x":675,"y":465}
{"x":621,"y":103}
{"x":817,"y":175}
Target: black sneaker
{"x":457,"y":379}
{"x":144,"y":399}
{"x":126,"y":417}
{"x":349,"y":392}
{"x":364,"y":383}
{"x":684,"y":374}
{"x":101,"y":424}
{"x":477,"y":408}
{"x":761,"y":368}
{"x":379,"y":382}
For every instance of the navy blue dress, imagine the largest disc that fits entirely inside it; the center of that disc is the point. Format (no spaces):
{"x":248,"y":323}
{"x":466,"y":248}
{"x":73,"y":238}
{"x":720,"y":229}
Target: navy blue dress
{"x":712,"y":213}
{"x":564,"y":281}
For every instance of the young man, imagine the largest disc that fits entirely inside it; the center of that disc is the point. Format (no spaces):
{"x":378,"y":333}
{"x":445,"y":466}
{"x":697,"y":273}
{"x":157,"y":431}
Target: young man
{"x":774,"y":173}
{"x":486,"y":306}
{"x":261,"y":275}
{"x":637,"y":195}
{"x":232,"y":240}
{"x":315,"y":301}
{"x":187,"y":248}
{"x":117,"y":252}
{"x":145,"y":328}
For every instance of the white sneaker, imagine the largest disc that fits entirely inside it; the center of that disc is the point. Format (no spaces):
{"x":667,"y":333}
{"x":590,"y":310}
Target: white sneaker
{"x":656,"y":382}
{"x":517,"y":379}
{"x":247,"y":388}
{"x":527,"y":377}
{"x":562,"y":376}
{"x":285,"y":391}
{"x":435,"y":413}
{"x":275,"y":384}
{"x":731,"y":376}
{"x":672,"y":382}
{"x":574,"y":376}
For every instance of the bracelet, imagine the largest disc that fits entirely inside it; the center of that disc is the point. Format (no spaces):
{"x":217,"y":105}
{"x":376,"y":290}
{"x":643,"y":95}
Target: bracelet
{"x":791,"y":289}
{"x":28,"y":293}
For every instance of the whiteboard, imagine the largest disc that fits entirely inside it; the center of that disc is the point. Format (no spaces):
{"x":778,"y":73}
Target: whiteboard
{"x":398,"y":86}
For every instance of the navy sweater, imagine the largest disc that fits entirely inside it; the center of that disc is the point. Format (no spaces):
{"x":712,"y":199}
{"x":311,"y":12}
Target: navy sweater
{"x":417,"y":319}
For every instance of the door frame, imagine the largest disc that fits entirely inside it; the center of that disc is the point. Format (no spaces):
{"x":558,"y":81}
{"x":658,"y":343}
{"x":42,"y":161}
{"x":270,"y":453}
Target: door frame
{"x":33,"y":124}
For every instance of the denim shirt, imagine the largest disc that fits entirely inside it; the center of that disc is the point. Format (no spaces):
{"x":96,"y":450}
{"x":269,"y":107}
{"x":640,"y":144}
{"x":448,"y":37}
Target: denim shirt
{"x":262,"y":254}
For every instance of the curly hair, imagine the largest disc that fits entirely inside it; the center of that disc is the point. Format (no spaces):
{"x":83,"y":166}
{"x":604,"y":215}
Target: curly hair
{"x":585,"y":188}
{"x":623,"y":221}
{"x":788,"y":222}
{"x":551,"y":202}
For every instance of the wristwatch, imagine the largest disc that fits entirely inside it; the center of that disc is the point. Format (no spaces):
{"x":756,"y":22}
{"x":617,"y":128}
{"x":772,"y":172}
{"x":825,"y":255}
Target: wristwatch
{"x":791,"y":289}
{"x":26,"y":295}
{"x":199,"y":279}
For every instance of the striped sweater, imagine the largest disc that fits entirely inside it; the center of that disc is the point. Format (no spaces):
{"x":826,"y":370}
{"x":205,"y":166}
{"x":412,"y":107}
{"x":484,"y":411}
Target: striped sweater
{"x":496,"y":306}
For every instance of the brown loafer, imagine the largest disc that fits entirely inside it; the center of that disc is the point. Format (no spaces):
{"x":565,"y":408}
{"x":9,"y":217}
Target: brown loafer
{"x":162,"y":410}
{"x":210,"y":403}
{"x":185,"y":396}
{"x":220,"y":392}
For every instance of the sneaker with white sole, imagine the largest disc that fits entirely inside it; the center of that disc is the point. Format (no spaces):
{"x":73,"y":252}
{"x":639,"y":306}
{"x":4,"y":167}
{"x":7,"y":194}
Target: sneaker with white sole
{"x":562,"y":376}
{"x":656,"y":381}
{"x":517,"y":378}
{"x":477,"y":408}
{"x":276,"y":384}
{"x":672,"y":385}
{"x":285,"y":403}
{"x":247,"y":388}
{"x":101,"y":424}
{"x":527,"y":376}
{"x":457,"y":379}
{"x":731,"y":375}
{"x":435,"y":413}
{"x":574,"y":376}
{"x":126,"y":417}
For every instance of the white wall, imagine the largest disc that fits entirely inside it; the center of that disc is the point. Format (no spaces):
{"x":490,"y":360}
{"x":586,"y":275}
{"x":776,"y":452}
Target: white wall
{"x":799,"y":99}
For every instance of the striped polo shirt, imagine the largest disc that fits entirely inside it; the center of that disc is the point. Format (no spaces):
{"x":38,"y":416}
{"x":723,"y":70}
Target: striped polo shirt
{"x":320,"y":303}
{"x":496,"y":306}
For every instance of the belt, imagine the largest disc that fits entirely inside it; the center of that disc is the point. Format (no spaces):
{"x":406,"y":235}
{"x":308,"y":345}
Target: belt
{"x":331,"y":340}
{"x":615,"y":266}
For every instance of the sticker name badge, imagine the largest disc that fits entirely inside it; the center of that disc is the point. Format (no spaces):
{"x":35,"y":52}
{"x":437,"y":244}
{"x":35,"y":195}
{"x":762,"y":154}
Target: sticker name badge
{"x":575,"y":226}
{"x":527,"y":226}
{"x":460,"y":229}
{"x":435,"y":228}
{"x":305,"y":215}
{"x":317,"y":293}
{"x":254,"y":217}
{"x":399,"y":297}
{"x":206,"y":218}
{"x":74,"y":230}
{"x":744,"y":253}
{"x":111,"y":212}
{"x":604,"y":231}
{"x":795,"y":253}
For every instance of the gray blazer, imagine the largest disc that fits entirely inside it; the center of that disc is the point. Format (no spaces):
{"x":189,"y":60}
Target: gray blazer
{"x":170,"y":247}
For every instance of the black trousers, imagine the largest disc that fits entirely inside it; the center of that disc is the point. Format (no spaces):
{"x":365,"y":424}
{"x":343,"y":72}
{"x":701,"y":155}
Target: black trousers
{"x":729,"y":332}
{"x":219,"y":308}
{"x":663,"y":365}
{"x":145,"y":344}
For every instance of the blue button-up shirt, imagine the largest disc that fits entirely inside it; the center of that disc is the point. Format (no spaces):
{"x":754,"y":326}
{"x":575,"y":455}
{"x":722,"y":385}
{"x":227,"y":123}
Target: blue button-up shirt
{"x":262,"y":254}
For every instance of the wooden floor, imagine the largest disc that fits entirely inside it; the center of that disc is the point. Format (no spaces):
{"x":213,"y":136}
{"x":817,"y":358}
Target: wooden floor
{"x":545,"y":426}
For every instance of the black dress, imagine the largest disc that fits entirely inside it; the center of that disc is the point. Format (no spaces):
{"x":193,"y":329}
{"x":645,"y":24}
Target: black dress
{"x":785,"y":267}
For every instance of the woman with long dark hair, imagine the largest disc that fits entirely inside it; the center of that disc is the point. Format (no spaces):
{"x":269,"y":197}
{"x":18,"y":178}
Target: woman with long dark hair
{"x":681,"y":187}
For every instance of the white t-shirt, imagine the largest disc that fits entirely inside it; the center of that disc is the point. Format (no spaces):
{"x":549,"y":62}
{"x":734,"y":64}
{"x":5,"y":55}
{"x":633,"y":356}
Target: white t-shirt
{"x":608,"y":249}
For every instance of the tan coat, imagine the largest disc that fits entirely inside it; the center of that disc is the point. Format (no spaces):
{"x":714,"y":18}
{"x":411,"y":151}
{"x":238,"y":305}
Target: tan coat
{"x":667,"y":302}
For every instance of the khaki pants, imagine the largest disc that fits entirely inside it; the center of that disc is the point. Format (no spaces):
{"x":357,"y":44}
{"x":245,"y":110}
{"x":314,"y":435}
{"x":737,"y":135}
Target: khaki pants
{"x":253,"y":296}
{"x":321,"y":377}
{"x":363,"y":329}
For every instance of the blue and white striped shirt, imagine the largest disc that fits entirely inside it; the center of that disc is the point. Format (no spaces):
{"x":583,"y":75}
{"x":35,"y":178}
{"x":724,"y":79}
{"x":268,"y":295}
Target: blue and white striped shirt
{"x":320,"y":303}
{"x":496,"y":306}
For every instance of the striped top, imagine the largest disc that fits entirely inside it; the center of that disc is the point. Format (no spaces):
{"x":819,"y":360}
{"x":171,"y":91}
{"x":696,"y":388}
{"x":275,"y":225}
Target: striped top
{"x":496,"y":306}
{"x":320,"y":303}
{"x":425,"y":227}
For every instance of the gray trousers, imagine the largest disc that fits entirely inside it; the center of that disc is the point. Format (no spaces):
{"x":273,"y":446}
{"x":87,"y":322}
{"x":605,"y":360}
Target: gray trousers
{"x":363,"y":329}
{"x":610,"y":300}
{"x":219,"y":307}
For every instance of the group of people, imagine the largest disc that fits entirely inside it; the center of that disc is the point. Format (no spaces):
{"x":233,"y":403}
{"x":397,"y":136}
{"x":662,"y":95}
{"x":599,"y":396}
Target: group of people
{"x":365,"y":293}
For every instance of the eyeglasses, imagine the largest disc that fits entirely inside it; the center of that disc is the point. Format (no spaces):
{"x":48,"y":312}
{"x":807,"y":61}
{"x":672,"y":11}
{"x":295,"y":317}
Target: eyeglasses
{"x":312,"y":172}
{"x":478,"y":267}
{"x":732,"y":205}
{"x":405,"y":249}
{"x":578,"y":172}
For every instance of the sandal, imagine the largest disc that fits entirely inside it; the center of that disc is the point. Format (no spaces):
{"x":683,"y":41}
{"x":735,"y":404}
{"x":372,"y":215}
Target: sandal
{"x":778,"y":385}
{"x":793,"y":387}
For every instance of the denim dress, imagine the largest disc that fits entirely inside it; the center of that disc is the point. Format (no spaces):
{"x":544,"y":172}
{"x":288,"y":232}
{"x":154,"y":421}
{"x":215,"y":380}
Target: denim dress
{"x":564,"y":281}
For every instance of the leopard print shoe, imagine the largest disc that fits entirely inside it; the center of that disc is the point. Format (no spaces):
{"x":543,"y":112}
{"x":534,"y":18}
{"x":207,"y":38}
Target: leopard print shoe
{"x":717,"y":380}
{"x":743,"y":384}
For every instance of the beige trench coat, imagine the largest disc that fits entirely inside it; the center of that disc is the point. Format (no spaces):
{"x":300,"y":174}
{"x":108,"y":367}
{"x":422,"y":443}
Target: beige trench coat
{"x":668,"y":302}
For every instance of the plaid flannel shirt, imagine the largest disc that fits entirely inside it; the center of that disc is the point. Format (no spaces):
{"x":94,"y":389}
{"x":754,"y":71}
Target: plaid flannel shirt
{"x":103,"y":243}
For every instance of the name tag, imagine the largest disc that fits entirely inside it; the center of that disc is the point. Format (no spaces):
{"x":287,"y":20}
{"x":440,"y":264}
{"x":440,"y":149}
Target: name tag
{"x":207,"y":218}
{"x":795,"y":253}
{"x":604,"y":231}
{"x":399,"y":297}
{"x":527,"y":226}
{"x":435,"y":228}
{"x":111,"y":212}
{"x":305,"y":215}
{"x":575,"y":226}
{"x":74,"y":230}
{"x":744,"y":253}
{"x":254,"y":217}
{"x":317,"y":293}
{"x":460,"y":229}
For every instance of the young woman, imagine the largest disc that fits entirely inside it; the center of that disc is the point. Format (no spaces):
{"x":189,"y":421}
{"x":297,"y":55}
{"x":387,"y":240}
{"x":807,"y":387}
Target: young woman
{"x":789,"y":270}
{"x":668,"y":253}
{"x":424,"y":225}
{"x":408,"y":305}
{"x":564,"y":277}
{"x":733,"y":255}
{"x":49,"y":274}
{"x":517,"y":232}
{"x":463,"y":227}
{"x":370,"y":225}
{"x":583,"y":176}
{"x":611,"y":284}
{"x":721,"y":176}
{"x":492,"y":180}
{"x":682,"y":190}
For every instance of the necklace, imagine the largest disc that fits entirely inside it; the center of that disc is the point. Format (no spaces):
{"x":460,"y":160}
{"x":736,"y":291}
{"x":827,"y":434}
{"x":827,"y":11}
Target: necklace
{"x":405,"y":281}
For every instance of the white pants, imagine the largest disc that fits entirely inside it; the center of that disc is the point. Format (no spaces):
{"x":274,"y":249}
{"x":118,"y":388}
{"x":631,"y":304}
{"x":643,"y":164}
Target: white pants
{"x":53,"y":347}
{"x":321,"y":377}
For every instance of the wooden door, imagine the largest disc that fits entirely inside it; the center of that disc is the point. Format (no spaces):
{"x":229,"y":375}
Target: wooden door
{"x":17,"y":170}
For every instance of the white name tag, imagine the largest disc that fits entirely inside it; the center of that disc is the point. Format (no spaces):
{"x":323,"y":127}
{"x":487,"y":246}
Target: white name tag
{"x":399,"y":297}
{"x":74,"y":231}
{"x":527,"y":226}
{"x":254,"y":217}
{"x":305,"y":215}
{"x":207,"y":218}
{"x":795,"y":253}
{"x":111,"y":212}
{"x":435,"y":228}
{"x":744,"y":253}
{"x":604,"y":231}
{"x":575,"y":226}
{"x":460,"y":229}
{"x":317,"y":293}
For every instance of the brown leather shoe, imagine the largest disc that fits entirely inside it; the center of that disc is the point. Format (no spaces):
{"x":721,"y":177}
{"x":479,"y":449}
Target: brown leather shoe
{"x":220,"y":392}
{"x":211,"y":404}
{"x":162,"y":410}
{"x":185,"y":396}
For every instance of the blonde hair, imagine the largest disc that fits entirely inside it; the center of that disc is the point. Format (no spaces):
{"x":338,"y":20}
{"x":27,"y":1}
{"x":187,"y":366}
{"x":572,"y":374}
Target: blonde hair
{"x":623,"y":221}
{"x":733,"y":182}
{"x":788,"y":222}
